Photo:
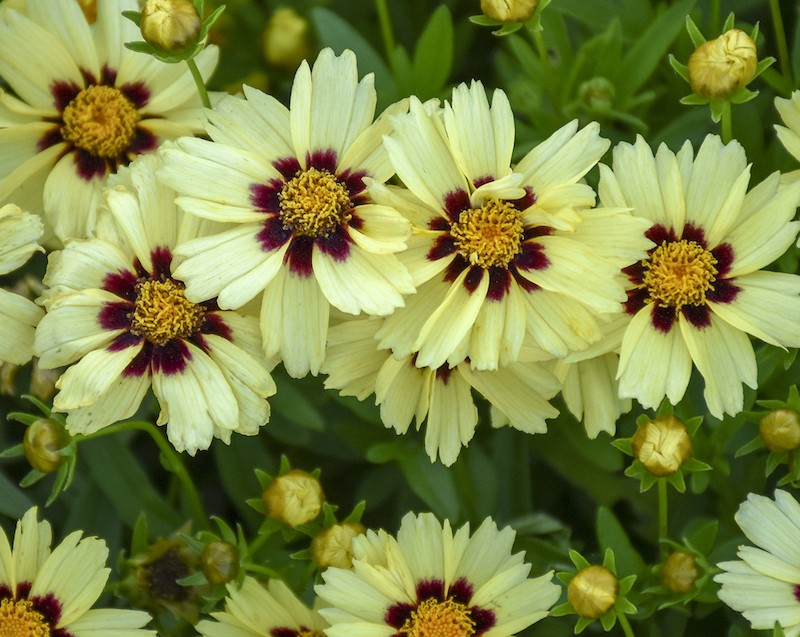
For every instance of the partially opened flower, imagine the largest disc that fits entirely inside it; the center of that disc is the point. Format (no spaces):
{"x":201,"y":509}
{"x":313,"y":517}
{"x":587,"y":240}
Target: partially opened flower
{"x":257,"y":610}
{"x":441,"y":397}
{"x":499,"y":254}
{"x":294,"y":182}
{"x":430,"y":577}
{"x":44,"y":592}
{"x":701,"y":290}
{"x":84,"y":106}
{"x":765,"y":584}
{"x":19,"y":235}
{"x":116,"y":308}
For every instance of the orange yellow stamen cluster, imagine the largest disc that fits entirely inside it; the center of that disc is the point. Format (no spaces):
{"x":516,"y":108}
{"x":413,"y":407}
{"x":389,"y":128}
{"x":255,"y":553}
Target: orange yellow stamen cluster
{"x":163,"y":312}
{"x":100,"y":120}
{"x":680,"y":273}
{"x":18,"y":619}
{"x":314,"y":203}
{"x":490,"y":235}
{"x":433,"y":618}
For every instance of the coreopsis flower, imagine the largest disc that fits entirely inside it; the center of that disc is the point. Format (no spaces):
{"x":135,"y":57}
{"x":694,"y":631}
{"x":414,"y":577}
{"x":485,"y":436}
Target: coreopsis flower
{"x":116,"y":308}
{"x":44,"y":592}
{"x":720,"y":67}
{"x":498,"y":254}
{"x":443,"y":396}
{"x":701,"y":289}
{"x":84,"y":105}
{"x":19,"y":234}
{"x":789,"y":110}
{"x":294,"y":182}
{"x":764,"y":586}
{"x":430,"y":577}
{"x":263,"y":611}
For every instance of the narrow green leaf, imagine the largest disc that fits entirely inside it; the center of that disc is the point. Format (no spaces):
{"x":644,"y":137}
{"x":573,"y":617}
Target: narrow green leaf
{"x":433,"y":55}
{"x":611,"y":534}
{"x":694,"y":32}
{"x":13,"y":501}
{"x":433,"y":483}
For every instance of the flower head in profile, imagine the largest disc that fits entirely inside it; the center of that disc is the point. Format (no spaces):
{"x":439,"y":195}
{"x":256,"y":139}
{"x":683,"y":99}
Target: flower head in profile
{"x":498,"y":254}
{"x":19,"y":235}
{"x":429,"y":577}
{"x":701,"y":290}
{"x":764,"y":585}
{"x":295,"y":182}
{"x":83,"y":106}
{"x":257,"y":610}
{"x":440,"y":397}
{"x":44,"y":592}
{"x":116,"y":309}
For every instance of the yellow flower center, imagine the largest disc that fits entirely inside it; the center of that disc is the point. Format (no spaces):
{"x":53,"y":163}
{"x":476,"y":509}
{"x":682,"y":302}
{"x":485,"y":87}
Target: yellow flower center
{"x":314,"y":203}
{"x":439,"y":619}
{"x":489,"y":235}
{"x":680,"y":273}
{"x":163,"y":312}
{"x":310,"y":633}
{"x":100,"y":120}
{"x":18,"y":619}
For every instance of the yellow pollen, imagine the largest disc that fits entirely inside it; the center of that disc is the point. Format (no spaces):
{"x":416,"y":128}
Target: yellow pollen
{"x":679,"y":273}
{"x":310,"y":633}
{"x":100,"y":120}
{"x":314,"y":203}
{"x":18,"y":619}
{"x":489,"y":235}
{"x":439,"y":619}
{"x":163,"y":312}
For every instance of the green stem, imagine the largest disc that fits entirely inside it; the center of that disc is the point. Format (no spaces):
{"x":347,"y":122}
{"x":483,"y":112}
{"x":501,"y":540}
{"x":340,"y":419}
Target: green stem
{"x":547,"y":69}
{"x":727,"y":123}
{"x":626,"y":626}
{"x":201,"y":85}
{"x":663,"y":520}
{"x":172,"y":462}
{"x":714,"y":17}
{"x":386,"y":30}
{"x":780,"y":35}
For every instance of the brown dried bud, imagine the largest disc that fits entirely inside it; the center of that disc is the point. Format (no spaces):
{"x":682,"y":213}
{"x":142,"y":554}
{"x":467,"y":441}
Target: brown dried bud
{"x":593,"y":591}
{"x":780,"y":430}
{"x":334,"y":545}
{"x":718,"y":68}
{"x":662,"y":445}
{"x":220,"y":562}
{"x":680,"y":572}
{"x":509,"y":10}
{"x":286,"y":39}
{"x":42,"y":440}
{"x":170,"y":25}
{"x":293,"y":498}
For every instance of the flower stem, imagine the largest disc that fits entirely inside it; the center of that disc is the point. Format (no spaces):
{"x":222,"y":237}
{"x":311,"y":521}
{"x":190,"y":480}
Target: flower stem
{"x":201,"y":85}
{"x":626,"y":626}
{"x":386,"y":30}
{"x":172,"y":462}
{"x":714,"y":17}
{"x":727,"y":123}
{"x":663,"y":524}
{"x":780,"y":35}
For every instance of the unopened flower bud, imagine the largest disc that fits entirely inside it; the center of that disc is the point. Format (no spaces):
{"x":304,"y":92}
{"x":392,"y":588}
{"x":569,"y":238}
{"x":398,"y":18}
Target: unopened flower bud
{"x":220,"y":562}
{"x":593,"y":591}
{"x":680,"y":572}
{"x":293,"y":498}
{"x":170,"y":25}
{"x":42,"y":441}
{"x":662,"y":445}
{"x":286,"y":39}
{"x":509,"y":10}
{"x":718,"y":68}
{"x":597,"y":94}
{"x":334,"y":545}
{"x":780,"y":430}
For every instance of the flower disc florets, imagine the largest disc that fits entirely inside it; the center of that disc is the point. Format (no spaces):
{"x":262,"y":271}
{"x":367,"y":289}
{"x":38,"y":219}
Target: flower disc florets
{"x":490,"y":235}
{"x":100,"y":120}
{"x":679,"y":273}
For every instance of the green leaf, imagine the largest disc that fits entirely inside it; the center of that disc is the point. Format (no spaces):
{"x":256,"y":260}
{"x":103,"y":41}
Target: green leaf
{"x":433,"y":483}
{"x":484,"y":21}
{"x":694,"y":99}
{"x":508,"y":28}
{"x":703,"y":538}
{"x":608,"y":620}
{"x":610,"y":534}
{"x":13,"y":452}
{"x":133,"y":16}
{"x":753,"y":445}
{"x":694,"y":32}
{"x":729,"y":22}
{"x":433,"y":55}
{"x":13,"y":501}
{"x":140,"y":535}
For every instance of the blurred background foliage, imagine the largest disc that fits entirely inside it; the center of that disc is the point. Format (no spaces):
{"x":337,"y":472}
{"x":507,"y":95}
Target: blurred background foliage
{"x":605,"y":60}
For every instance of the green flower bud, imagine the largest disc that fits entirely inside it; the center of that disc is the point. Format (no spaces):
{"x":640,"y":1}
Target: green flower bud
{"x":219,"y":562}
{"x":680,"y":572}
{"x":170,"y":25}
{"x":593,"y":591}
{"x":42,"y":441}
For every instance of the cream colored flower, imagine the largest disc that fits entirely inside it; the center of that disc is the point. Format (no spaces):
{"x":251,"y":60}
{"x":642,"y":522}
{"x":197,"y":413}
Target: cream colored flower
{"x":308,"y":234}
{"x":789,"y":110}
{"x":765,"y":585}
{"x":116,"y":310}
{"x":84,"y":105}
{"x":702,"y":290}
{"x":431,"y":576}
{"x":44,"y":592}
{"x":19,"y":235}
